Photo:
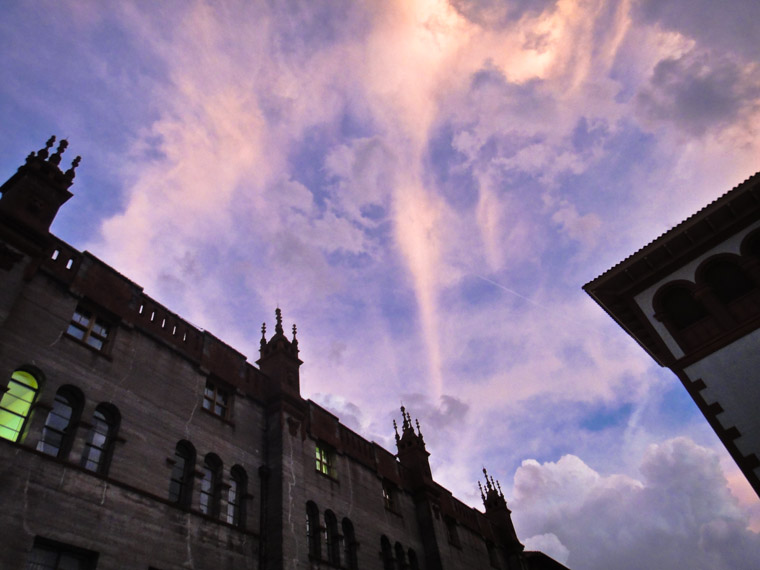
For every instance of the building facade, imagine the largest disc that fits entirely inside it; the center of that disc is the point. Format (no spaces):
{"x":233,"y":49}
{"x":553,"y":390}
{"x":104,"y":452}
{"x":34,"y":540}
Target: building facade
{"x":691,"y":299}
{"x":131,"y":439}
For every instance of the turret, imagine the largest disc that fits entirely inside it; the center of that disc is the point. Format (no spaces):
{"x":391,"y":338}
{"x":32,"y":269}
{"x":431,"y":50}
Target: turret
{"x":279,"y":359}
{"x":412,"y":453}
{"x":32,"y":197}
{"x":499,"y":515}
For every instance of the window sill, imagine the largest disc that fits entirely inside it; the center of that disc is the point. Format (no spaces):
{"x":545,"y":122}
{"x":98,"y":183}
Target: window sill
{"x":218,"y":417}
{"x":100,"y":352}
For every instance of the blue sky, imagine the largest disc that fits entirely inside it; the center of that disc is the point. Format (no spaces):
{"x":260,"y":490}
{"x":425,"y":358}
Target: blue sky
{"x":423,"y":187}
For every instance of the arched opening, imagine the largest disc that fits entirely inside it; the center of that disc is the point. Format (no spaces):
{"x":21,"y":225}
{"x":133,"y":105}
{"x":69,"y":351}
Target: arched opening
{"x":181,"y":483}
{"x":99,"y":446}
{"x":60,"y":424}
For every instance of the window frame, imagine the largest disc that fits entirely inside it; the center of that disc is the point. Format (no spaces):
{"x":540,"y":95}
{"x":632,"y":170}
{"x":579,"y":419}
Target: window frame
{"x":236,"y":496}
{"x":208,"y":498}
{"x":212,"y":391}
{"x":88,"y":327}
{"x":325,"y":460}
{"x":111,"y":420}
{"x":66,"y":396}
{"x":181,"y":478}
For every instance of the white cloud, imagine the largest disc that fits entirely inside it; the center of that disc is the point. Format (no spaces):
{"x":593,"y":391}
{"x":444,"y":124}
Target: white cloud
{"x":680,"y":513}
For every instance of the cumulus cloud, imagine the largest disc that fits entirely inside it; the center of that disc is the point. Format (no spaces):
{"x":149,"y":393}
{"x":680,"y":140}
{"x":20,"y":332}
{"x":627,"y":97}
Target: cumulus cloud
{"x":679,"y":513}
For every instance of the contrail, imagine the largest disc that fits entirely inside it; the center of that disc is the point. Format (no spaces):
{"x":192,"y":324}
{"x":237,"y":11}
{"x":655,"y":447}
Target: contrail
{"x":515,"y":293}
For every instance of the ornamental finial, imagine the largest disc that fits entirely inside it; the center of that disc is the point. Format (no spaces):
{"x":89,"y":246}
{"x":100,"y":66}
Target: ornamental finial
{"x":278,"y":326}
{"x":43,"y":152}
{"x":55,"y":158}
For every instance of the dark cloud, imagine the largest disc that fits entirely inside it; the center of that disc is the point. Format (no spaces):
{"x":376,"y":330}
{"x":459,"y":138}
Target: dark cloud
{"x":727,"y":26}
{"x":498,"y":13}
{"x":681,"y":515}
{"x":696,"y":92}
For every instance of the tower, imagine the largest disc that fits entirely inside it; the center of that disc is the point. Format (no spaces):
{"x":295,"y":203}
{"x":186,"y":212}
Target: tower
{"x":506,"y":541}
{"x":32,"y":197}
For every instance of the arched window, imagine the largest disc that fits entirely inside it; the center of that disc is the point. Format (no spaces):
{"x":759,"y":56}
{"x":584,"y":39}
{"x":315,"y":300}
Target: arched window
{"x":181,"y":483}
{"x":209,"y":499}
{"x":312,"y":530}
{"x":59,"y":429}
{"x":400,"y":558}
{"x":236,"y":496}
{"x":386,"y":552}
{"x":350,"y":546}
{"x":333,"y":540}
{"x":680,"y":307}
{"x":413,"y":564}
{"x":99,"y":446}
{"x":16,"y":403}
{"x":727,"y":280}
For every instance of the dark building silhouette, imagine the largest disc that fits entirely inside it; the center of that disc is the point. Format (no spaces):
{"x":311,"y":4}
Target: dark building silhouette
{"x":691,"y":299}
{"x":131,"y":439}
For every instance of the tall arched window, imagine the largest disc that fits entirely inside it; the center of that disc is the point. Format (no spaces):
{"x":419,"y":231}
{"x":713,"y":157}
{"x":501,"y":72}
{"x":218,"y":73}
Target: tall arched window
{"x":58,"y":432}
{"x":350,"y":546}
{"x":333,"y":540}
{"x":312,"y":530}
{"x":236,"y":496}
{"x":413,"y":564}
{"x":400,"y":558}
{"x":181,"y":483}
{"x":99,"y":446}
{"x":210,"y":473}
{"x":386,"y":552}
{"x":16,"y":403}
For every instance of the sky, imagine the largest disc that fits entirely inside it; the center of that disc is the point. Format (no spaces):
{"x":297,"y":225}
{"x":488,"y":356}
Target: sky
{"x":423,"y":187}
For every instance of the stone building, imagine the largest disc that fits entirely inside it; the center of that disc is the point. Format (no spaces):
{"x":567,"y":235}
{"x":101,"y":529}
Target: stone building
{"x":131,"y":439}
{"x":691,"y":299}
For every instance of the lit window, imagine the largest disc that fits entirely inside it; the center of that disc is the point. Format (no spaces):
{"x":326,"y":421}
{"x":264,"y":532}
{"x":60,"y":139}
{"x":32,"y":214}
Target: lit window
{"x":209,"y":499}
{"x":16,"y":403}
{"x":181,"y":483}
{"x":326,"y":460}
{"x":89,"y":329}
{"x":57,"y":434}
{"x":236,"y":496}
{"x":50,"y":555}
{"x":216,"y":399}
{"x":97,"y":451}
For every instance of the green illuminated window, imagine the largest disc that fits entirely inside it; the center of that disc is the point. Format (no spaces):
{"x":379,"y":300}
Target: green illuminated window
{"x":16,"y":403}
{"x":326,"y":460}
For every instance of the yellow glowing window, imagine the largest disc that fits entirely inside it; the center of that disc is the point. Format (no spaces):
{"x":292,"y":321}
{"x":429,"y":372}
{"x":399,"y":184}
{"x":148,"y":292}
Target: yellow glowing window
{"x":326,"y":460}
{"x":16,"y":403}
